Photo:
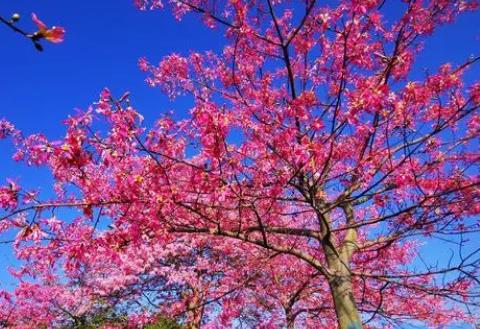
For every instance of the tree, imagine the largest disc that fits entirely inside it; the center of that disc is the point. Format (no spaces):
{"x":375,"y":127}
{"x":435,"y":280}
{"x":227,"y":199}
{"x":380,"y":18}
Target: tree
{"x":297,"y":194}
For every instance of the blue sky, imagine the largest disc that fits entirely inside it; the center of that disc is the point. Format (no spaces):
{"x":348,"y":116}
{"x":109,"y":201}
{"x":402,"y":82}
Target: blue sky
{"x":103,"y":43}
{"x":104,"y":40}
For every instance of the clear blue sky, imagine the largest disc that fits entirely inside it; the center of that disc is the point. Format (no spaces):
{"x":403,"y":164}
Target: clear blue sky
{"x":104,"y":40}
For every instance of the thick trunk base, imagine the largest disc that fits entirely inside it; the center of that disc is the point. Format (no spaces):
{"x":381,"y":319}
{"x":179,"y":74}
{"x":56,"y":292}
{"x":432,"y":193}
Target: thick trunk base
{"x":345,"y":308}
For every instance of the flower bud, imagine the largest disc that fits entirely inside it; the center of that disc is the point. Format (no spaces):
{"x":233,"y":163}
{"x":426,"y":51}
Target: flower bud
{"x":15,"y":17}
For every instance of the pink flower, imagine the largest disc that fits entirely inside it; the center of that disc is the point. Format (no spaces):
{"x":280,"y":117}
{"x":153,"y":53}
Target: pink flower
{"x":9,"y":195}
{"x":143,"y":64}
{"x":6,"y":128}
{"x":54,"y":34}
{"x":475,"y":93}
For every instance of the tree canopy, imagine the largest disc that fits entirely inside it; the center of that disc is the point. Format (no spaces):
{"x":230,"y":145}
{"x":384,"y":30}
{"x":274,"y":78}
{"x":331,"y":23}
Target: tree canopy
{"x":297,"y":194}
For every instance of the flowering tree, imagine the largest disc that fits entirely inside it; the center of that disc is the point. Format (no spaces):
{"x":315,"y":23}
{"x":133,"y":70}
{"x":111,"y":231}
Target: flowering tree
{"x":298,"y":193}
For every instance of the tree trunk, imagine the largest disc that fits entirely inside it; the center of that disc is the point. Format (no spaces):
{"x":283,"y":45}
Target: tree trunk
{"x":290,"y":322}
{"x":345,"y":308}
{"x":341,"y":287}
{"x":197,"y":311}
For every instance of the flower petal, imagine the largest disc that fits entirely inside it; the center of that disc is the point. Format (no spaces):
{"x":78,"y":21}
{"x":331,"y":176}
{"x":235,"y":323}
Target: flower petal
{"x":41,"y":25}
